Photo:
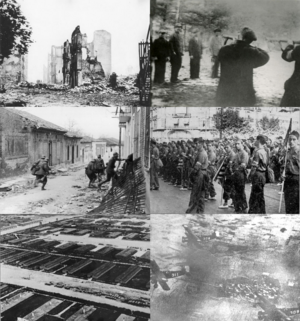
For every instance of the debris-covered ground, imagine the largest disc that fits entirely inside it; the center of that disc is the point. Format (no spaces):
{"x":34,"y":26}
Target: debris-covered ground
{"x":268,"y":83}
{"x":97,"y":94}
{"x":242,"y":256}
{"x":64,"y":194}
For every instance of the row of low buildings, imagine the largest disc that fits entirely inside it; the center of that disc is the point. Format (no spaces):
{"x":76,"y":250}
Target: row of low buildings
{"x":183,"y":123}
{"x":25,"y":138}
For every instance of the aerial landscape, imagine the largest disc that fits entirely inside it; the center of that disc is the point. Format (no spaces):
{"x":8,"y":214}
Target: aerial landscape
{"x":225,"y":267}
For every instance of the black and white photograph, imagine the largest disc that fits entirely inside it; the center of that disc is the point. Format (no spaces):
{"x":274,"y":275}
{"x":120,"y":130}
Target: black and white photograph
{"x":225,"y":267}
{"x":74,"y":211}
{"x":74,"y":53}
{"x":218,"y":160}
{"x":231,"y":53}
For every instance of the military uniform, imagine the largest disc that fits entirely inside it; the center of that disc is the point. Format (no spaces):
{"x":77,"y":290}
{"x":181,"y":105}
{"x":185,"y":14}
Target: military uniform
{"x":239,"y":180}
{"x":291,"y":185}
{"x":228,"y":181}
{"x":257,"y":203}
{"x":197,"y":198}
{"x":211,"y":171}
{"x":154,"y":168}
{"x":90,"y":172}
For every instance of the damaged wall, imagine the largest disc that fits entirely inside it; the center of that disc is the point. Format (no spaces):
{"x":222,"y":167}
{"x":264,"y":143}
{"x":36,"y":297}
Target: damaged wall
{"x":14,"y":69}
{"x":91,"y":70}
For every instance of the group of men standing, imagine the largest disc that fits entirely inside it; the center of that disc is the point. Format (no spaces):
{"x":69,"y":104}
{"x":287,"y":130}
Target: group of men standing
{"x":196,"y":164}
{"x":236,"y":62}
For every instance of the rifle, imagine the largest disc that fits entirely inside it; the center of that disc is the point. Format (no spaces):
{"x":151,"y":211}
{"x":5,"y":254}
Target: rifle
{"x":284,"y":41}
{"x":227,"y":38}
{"x":219,"y":169}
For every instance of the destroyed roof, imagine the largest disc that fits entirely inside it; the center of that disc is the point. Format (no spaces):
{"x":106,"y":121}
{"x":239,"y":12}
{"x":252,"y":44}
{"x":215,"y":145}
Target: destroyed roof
{"x":72,"y":135}
{"x":109,"y":141}
{"x":36,"y":121}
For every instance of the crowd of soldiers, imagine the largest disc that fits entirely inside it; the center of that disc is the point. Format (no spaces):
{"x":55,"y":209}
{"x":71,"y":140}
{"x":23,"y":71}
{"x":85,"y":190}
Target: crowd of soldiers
{"x":195,"y":165}
{"x":236,"y":61}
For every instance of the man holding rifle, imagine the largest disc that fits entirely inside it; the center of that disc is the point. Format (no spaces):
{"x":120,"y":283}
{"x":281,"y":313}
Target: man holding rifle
{"x":237,"y":61}
{"x":291,"y":97}
{"x":291,"y":175}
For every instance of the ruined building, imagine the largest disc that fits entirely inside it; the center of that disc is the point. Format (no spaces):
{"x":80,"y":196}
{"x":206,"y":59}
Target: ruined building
{"x":78,"y":61}
{"x":14,"y":69}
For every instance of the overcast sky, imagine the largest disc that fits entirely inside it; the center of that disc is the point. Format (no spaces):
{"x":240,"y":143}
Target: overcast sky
{"x":93,"y":121}
{"x":53,"y":22}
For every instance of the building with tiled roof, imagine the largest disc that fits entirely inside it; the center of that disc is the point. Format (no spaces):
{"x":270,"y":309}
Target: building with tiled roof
{"x":25,"y":138}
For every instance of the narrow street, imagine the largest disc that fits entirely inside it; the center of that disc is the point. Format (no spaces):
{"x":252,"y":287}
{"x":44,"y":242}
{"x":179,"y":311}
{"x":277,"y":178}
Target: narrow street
{"x":63,"y":195}
{"x":201,"y":92}
{"x":170,"y":200}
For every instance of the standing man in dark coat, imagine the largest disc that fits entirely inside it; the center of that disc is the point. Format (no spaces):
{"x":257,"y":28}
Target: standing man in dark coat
{"x":215,"y":44}
{"x":291,"y":177}
{"x":176,"y":46}
{"x":160,"y":54}
{"x":259,"y":165}
{"x":291,"y":97}
{"x":195,"y":51}
{"x":237,"y":63}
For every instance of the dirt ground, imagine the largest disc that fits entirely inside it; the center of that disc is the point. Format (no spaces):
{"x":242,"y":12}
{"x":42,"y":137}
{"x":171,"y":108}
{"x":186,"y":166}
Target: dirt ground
{"x":177,"y":304}
{"x":268,"y":83}
{"x":63,"y":195}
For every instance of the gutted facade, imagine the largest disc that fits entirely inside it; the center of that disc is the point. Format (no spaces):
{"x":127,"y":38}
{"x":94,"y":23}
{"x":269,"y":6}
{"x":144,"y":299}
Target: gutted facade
{"x":25,"y":138}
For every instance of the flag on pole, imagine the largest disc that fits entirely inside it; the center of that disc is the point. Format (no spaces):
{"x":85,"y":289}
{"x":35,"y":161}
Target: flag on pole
{"x":288,"y":133}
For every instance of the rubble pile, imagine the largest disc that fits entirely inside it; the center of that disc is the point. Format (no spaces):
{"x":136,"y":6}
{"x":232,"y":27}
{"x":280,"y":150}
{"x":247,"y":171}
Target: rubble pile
{"x":54,"y":87}
{"x":93,"y":92}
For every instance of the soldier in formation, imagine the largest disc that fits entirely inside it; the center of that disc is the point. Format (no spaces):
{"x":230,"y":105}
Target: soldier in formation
{"x":196,"y":164}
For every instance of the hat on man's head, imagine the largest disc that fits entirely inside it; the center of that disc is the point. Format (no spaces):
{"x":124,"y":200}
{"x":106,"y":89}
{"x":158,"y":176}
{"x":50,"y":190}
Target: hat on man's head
{"x":248,"y":34}
{"x":43,"y":157}
{"x":262,"y":139}
{"x":294,"y":133}
{"x":217,"y":30}
{"x":99,"y":156}
{"x":116,"y":154}
{"x":153,"y":141}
